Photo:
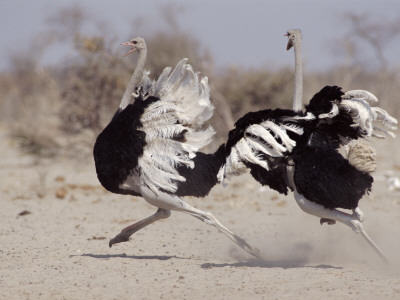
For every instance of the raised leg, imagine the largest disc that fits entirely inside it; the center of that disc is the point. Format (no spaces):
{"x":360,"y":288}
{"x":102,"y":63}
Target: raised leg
{"x":171,"y":202}
{"x":125,"y":233}
{"x":351,"y":220}
{"x":357,"y":214}
{"x":318,"y":210}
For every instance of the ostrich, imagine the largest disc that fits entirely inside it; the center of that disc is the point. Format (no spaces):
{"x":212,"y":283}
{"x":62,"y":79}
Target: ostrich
{"x":360,"y":156}
{"x":150,"y":147}
{"x":298,"y":151}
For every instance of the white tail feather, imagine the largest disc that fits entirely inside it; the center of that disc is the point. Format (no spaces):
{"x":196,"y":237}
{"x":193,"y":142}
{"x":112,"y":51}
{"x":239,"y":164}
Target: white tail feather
{"x":370,"y":119}
{"x":361,"y":156}
{"x":362,"y":94}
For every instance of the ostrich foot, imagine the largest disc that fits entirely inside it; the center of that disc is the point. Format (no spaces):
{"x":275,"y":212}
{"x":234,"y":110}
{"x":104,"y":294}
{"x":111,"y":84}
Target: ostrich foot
{"x":358,"y":228}
{"x":245,"y":246}
{"x":329,"y":221}
{"x":119,"y":238}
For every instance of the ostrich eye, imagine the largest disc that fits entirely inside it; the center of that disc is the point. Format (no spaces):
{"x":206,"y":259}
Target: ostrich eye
{"x":135,"y":42}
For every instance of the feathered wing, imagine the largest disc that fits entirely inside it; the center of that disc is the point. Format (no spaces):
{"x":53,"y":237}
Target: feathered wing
{"x":374,"y":120}
{"x":342,"y":117}
{"x":265,"y":141}
{"x":261,"y":141}
{"x":173,"y":125}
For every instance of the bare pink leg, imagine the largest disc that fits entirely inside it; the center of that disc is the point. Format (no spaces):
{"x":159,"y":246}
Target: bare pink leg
{"x":125,"y":233}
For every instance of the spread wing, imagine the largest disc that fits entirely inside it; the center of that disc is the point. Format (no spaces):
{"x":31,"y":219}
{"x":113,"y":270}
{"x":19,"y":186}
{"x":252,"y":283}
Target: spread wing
{"x":173,"y":124}
{"x":262,"y":141}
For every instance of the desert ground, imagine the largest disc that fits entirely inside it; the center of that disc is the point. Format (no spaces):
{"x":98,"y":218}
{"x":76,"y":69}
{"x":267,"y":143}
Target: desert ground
{"x":56,"y":221}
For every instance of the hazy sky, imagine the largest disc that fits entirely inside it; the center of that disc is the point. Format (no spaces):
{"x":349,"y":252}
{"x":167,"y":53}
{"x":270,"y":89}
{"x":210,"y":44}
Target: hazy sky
{"x":247,"y":33}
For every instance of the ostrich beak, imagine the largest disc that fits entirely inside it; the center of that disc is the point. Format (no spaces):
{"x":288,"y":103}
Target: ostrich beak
{"x":133,"y":47}
{"x":289,"y":45}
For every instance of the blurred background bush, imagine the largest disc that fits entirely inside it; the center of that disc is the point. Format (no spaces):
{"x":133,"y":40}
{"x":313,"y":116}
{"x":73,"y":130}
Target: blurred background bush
{"x":60,"y":109}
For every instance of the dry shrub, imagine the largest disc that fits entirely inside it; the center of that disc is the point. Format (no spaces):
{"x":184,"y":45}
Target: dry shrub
{"x":90,"y":86}
{"x":68,"y":104}
{"x":167,"y":48}
{"x":29,"y":104}
{"x":93,"y":83}
{"x":251,"y":90}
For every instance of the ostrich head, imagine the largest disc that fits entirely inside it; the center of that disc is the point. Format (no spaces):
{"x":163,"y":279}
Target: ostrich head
{"x":294,"y":36}
{"x":137,"y":44}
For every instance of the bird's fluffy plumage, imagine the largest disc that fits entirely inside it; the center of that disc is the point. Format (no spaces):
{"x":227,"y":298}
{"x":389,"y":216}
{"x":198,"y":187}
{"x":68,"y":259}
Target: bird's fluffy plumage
{"x":150,"y":148}
{"x":324,"y":176}
{"x":268,"y":141}
{"x":157,"y":134}
{"x":261,"y":141}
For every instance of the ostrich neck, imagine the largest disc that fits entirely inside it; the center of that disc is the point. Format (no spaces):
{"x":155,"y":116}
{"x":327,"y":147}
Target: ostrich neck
{"x":135,"y":79}
{"x":298,"y":79}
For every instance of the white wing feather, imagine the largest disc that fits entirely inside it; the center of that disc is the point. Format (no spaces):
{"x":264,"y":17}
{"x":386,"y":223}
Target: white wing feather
{"x":268,"y":138}
{"x":182,"y":110}
{"x":371,"y":119}
{"x":264,"y":134}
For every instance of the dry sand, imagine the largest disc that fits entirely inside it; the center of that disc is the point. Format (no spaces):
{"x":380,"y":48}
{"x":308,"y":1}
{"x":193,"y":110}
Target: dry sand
{"x":56,"y":221}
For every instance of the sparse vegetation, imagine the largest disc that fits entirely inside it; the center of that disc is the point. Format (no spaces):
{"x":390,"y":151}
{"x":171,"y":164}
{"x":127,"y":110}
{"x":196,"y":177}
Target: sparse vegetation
{"x":77,"y":98}
{"x":248,"y":90}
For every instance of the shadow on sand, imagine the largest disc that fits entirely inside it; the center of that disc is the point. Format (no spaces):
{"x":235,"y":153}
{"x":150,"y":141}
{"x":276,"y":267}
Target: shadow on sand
{"x":257,"y":263}
{"x":253,"y":263}
{"x":123,"y":255}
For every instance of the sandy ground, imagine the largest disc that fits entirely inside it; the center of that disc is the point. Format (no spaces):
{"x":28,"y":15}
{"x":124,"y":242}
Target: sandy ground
{"x":56,"y":221}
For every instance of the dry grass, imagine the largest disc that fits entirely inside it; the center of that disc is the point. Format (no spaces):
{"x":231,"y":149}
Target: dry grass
{"x":68,"y":104}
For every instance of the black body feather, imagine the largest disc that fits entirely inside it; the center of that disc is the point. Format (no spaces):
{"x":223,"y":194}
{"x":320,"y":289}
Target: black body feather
{"x":119,"y":146}
{"x":322,"y":102}
{"x":275,"y":177}
{"x":321,"y":173}
{"x":203,"y":177}
{"x":329,"y":133}
{"x":325,"y":177}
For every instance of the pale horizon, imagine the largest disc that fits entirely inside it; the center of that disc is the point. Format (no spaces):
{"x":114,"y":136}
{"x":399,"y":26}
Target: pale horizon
{"x":246,"y":34}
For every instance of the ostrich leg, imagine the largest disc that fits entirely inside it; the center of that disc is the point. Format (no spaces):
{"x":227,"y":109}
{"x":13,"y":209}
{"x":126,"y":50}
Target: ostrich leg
{"x":125,"y":233}
{"x":174,"y":203}
{"x":353,"y":220}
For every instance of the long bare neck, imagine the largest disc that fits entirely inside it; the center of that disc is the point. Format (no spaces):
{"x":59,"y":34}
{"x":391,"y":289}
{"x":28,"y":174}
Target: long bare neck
{"x":298,"y":77}
{"x":135,"y":79}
